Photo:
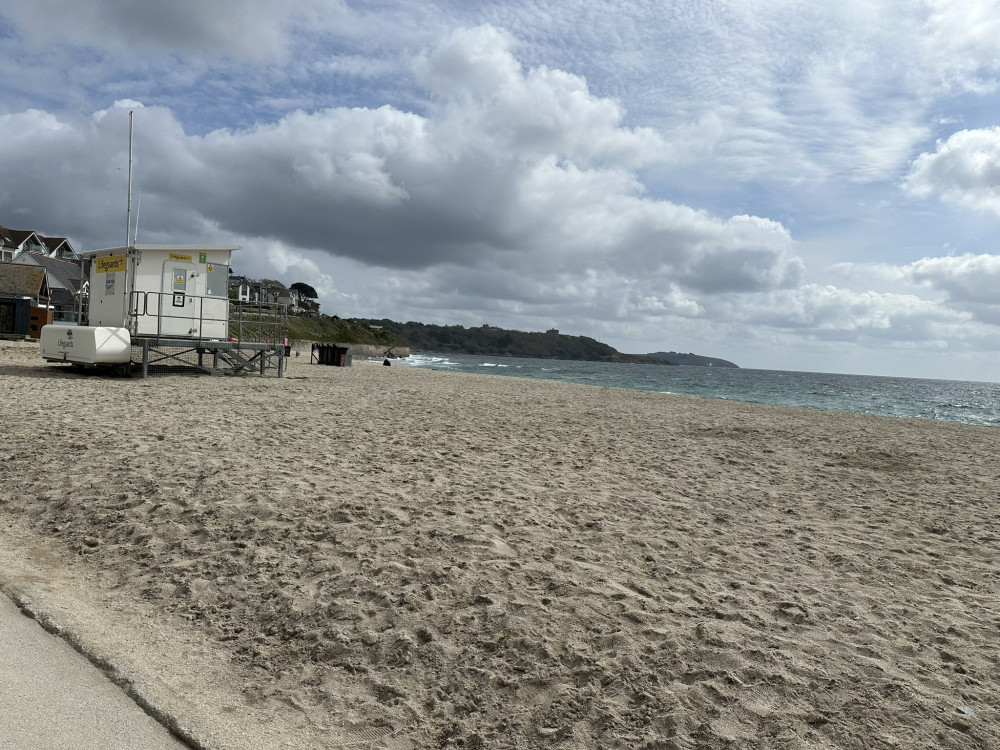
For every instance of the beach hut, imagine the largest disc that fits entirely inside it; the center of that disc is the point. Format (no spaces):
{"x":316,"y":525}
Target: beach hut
{"x":168,"y":304}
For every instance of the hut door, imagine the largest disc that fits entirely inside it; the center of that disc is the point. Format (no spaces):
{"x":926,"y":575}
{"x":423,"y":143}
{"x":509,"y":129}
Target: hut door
{"x":179,"y":304}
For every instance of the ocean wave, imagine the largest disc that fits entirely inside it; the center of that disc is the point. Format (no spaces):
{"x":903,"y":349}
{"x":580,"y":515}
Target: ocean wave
{"x":427,"y":360}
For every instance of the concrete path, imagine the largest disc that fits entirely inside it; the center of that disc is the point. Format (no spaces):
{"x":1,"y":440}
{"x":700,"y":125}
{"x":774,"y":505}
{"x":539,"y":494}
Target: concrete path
{"x":52,"y":698}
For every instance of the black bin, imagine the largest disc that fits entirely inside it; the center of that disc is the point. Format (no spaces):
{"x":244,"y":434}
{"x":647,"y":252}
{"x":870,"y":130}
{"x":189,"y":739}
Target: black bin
{"x":331,"y":354}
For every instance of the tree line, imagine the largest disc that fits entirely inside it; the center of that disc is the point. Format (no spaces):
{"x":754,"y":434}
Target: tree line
{"x":504,"y":342}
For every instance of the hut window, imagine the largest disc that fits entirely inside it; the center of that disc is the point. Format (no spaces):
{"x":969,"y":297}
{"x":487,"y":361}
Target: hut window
{"x":218,"y":280}
{"x":179,"y":283}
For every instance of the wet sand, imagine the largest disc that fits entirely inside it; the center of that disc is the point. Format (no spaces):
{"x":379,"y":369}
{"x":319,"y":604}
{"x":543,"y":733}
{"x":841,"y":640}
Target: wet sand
{"x":397,"y":558}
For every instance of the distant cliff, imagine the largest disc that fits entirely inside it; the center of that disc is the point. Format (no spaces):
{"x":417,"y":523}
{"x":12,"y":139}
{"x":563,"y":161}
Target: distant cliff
{"x":692,"y":359}
{"x":491,"y":340}
{"x":501,"y":342}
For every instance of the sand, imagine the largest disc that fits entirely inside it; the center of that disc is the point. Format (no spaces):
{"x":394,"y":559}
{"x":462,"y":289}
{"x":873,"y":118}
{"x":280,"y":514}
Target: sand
{"x":390,"y":557}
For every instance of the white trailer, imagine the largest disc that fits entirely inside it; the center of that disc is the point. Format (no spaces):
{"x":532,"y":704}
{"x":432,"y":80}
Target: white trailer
{"x":86,"y":345}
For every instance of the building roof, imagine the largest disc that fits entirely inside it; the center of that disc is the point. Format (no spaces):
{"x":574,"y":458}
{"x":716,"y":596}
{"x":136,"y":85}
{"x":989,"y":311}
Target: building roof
{"x":17,"y":239}
{"x":14,"y":238}
{"x":19,"y":280}
{"x":54,"y":243}
{"x":63,"y":274}
{"x":59,"y":247}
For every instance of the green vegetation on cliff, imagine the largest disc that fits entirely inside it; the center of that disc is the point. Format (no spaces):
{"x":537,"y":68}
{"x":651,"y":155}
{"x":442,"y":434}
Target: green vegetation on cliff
{"x":502,"y":342}
{"x":331,"y":329}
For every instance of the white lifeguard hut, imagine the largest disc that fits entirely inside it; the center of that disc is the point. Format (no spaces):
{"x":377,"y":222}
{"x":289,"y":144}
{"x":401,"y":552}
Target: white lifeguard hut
{"x":150,"y":304}
{"x":162,"y":290}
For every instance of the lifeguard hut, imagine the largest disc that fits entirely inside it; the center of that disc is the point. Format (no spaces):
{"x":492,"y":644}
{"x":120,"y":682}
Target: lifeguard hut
{"x":168,"y":305}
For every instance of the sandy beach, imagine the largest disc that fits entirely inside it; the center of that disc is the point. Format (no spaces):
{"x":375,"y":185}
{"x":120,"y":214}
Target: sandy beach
{"x":396,"y":558}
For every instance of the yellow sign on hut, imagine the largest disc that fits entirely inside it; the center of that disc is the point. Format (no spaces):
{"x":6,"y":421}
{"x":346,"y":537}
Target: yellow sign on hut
{"x":111,"y":264}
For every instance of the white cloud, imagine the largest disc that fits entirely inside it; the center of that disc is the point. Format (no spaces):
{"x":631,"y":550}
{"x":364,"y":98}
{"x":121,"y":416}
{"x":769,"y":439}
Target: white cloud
{"x":533,"y":167}
{"x":961,"y":40}
{"x":964,"y":170}
{"x":965,"y":278}
{"x":965,"y":285}
{"x":969,"y":282}
{"x":830,"y":313}
{"x":865,"y":275}
{"x":484,"y":90}
{"x":512,"y":169}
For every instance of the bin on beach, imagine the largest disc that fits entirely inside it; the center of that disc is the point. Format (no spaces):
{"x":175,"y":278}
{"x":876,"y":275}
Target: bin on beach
{"x":331,"y":354}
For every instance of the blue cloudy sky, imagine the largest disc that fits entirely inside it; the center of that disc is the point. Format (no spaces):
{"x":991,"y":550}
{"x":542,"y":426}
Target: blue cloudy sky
{"x":786,"y":184}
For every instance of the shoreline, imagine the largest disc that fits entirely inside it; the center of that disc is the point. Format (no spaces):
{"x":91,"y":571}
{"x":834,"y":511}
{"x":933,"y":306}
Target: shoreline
{"x":401,"y":558}
{"x":964,"y":402}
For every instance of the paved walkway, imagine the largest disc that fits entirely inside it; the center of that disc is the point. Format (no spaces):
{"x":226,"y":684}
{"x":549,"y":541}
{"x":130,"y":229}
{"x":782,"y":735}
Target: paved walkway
{"x":52,"y":698}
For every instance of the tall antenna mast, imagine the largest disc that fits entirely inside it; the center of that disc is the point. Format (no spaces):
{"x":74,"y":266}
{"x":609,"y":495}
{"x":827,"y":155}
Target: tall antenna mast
{"x":128,"y":210}
{"x":138,"y":209}
{"x":129,"y":247}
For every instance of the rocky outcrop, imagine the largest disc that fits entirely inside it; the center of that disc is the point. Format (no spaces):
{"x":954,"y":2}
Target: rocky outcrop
{"x":695,"y":360}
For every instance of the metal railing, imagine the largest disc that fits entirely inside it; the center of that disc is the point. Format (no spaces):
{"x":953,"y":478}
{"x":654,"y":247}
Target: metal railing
{"x":258,"y":321}
{"x":148,"y":306}
{"x":251,"y":322}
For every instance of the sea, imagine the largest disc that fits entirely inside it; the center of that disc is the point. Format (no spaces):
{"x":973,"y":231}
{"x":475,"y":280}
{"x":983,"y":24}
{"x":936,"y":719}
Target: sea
{"x":950,"y":400}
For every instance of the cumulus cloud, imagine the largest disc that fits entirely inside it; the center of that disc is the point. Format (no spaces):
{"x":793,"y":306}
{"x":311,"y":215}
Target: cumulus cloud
{"x":830,"y":313}
{"x":520,"y":168}
{"x":59,"y":170}
{"x":965,"y":278}
{"x":969,"y":283}
{"x":483,"y":89}
{"x":960,"y":41}
{"x":964,"y":170}
{"x":964,"y":285}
